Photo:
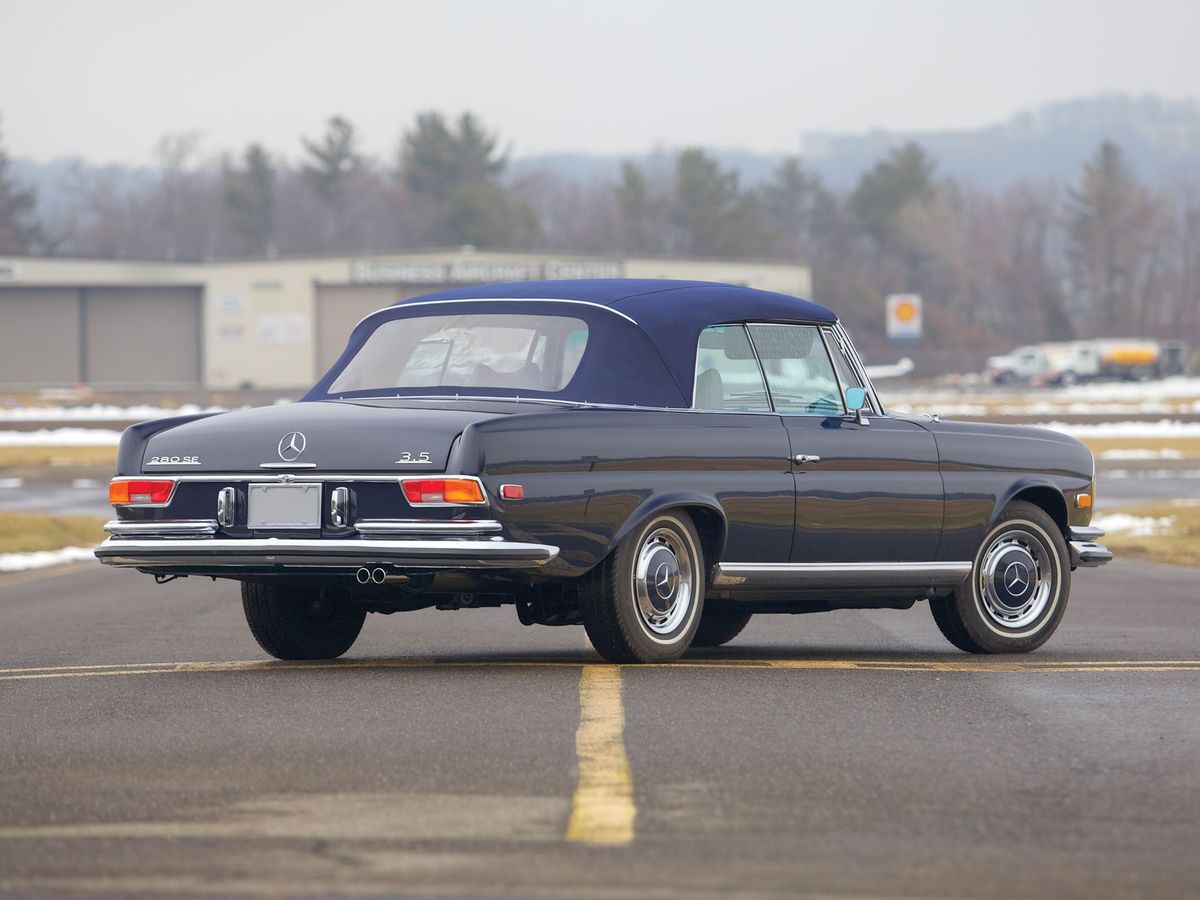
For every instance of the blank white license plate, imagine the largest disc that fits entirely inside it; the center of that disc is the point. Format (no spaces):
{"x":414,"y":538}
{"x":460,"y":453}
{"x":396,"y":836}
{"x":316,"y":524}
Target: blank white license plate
{"x":285,"y":506}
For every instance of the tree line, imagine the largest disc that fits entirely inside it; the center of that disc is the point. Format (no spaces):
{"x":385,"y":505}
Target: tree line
{"x":1105,"y":255}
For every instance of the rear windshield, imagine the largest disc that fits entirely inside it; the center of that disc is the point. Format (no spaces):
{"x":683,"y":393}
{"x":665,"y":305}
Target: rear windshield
{"x":525,"y":352}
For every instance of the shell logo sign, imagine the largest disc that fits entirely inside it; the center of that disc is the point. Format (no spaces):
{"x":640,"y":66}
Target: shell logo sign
{"x":903,"y":316}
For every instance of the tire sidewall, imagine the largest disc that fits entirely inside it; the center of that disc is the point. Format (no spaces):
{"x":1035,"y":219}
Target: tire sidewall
{"x":650,"y":643}
{"x":980,"y":625}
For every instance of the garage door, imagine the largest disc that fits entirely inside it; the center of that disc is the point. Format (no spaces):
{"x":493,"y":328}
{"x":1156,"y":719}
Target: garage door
{"x":143,"y":337}
{"x":39,"y":337}
{"x":340,"y":307}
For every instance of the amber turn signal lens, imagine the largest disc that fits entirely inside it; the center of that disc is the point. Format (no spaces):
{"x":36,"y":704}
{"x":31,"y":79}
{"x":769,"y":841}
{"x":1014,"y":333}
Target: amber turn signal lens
{"x":442,"y":490}
{"x":139,"y":492}
{"x":1083,"y":501}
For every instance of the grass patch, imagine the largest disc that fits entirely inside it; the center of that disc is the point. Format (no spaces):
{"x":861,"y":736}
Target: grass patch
{"x":1179,"y":543}
{"x":26,"y":532}
{"x":57,"y":457}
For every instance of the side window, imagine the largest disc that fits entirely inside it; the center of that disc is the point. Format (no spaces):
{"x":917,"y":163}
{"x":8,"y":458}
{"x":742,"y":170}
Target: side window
{"x":798,"y":369}
{"x":727,"y":372}
{"x":845,"y":372}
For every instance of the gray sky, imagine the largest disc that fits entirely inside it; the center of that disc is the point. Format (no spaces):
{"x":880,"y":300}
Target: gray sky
{"x":104,"y":80}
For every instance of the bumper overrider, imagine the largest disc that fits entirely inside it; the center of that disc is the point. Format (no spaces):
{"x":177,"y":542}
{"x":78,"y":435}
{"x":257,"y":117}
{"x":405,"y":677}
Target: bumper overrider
{"x":1085,"y":552}
{"x":193,"y":546}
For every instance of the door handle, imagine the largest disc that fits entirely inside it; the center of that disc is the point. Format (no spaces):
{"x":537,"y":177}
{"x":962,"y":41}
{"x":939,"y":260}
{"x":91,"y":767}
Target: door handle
{"x":805,"y":458}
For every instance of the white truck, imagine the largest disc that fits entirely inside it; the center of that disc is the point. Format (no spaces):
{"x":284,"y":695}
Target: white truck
{"x":1130,"y":359}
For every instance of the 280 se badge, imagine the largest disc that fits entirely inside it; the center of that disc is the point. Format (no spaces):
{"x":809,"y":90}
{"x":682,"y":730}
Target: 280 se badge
{"x":656,"y":460}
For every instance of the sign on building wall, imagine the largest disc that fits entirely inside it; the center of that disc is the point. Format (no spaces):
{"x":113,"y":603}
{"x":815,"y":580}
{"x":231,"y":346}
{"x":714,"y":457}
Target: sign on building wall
{"x":904,"y":316}
{"x":370,"y":271}
{"x":283,"y":329}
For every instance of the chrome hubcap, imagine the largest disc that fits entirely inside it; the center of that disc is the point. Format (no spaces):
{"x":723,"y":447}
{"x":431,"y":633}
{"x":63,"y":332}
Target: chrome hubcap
{"x":663,"y":582}
{"x":1015,"y":579}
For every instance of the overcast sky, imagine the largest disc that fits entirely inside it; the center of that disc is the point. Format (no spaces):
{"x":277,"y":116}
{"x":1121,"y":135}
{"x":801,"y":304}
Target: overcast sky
{"x":104,"y":80}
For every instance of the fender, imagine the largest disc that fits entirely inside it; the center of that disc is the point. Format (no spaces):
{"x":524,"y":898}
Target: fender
{"x":714,"y":544}
{"x":132,"y":448}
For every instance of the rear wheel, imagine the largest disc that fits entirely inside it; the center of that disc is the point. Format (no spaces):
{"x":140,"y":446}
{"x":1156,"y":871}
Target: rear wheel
{"x":719,"y":626}
{"x":301,"y":623}
{"x":643,"y":602}
{"x":1017,"y":591}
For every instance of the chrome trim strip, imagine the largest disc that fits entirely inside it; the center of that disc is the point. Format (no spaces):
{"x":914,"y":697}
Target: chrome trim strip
{"x":870,"y":574}
{"x":1088,"y":554}
{"x":403,"y":305}
{"x":288,"y":465}
{"x":184,"y":527}
{"x":222,"y":554}
{"x":269,"y":478}
{"x":426,"y":526}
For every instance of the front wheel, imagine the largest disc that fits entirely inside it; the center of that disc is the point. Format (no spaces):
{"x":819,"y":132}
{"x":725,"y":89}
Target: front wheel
{"x":643,"y":602}
{"x":1017,"y":591}
{"x":719,"y":626}
{"x":301,"y":623}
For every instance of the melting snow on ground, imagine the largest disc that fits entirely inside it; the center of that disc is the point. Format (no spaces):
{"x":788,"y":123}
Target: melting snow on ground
{"x":1165,"y":453}
{"x":1163,"y":428}
{"x":100,"y":412}
{"x":1134,"y":526}
{"x":61,"y":437}
{"x":43,"y":559}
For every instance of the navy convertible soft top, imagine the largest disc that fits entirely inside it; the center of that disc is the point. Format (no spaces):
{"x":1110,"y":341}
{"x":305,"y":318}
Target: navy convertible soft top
{"x":653,"y":368}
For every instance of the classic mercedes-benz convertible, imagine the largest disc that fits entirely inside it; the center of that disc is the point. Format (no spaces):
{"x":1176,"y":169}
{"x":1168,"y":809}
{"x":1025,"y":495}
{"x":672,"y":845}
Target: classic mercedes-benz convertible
{"x":657,"y":460}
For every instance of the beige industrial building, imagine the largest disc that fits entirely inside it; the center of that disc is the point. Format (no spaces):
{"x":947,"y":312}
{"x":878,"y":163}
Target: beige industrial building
{"x":262,"y":323}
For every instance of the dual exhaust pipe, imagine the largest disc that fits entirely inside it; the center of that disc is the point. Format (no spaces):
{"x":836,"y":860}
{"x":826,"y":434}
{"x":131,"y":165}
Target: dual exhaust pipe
{"x":371,"y":576}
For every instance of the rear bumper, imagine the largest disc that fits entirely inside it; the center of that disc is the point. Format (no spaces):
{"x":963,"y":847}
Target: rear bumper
{"x":226,"y":556}
{"x":1085,"y":552}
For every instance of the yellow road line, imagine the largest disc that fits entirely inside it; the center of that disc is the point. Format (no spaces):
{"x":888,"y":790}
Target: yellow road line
{"x":602,"y":811}
{"x":100,"y":670}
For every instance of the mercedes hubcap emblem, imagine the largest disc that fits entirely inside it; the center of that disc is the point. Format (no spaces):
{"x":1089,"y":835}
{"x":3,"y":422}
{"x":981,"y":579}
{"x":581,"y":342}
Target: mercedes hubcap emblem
{"x":662,"y":580}
{"x":1016,"y":578}
{"x":291,"y":446}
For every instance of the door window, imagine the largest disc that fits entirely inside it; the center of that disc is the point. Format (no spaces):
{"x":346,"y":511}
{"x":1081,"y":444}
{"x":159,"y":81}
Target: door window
{"x":799,"y":372}
{"x":727,"y":372}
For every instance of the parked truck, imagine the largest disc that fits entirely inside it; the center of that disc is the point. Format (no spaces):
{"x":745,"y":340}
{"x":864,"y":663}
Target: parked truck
{"x":1129,"y":359}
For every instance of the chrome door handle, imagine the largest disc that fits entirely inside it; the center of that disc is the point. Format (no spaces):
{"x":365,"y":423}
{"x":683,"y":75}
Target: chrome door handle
{"x":803,"y":458}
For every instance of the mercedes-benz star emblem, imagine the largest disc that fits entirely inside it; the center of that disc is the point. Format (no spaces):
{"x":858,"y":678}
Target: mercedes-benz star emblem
{"x":291,"y":446}
{"x":1015,"y":578}
{"x":662,"y":580}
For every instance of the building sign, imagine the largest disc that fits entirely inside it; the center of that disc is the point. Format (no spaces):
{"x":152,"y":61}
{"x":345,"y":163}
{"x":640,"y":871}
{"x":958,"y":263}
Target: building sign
{"x":283,"y":329}
{"x":231,"y":304}
{"x":369,"y":271}
{"x":9,"y":270}
{"x":904,"y":316}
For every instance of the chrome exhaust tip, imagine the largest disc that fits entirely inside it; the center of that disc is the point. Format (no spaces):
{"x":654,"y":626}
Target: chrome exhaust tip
{"x":363,"y":575}
{"x":378,"y":575}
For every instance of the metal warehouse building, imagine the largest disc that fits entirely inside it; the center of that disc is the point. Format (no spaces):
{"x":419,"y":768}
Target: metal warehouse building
{"x":262,"y":323}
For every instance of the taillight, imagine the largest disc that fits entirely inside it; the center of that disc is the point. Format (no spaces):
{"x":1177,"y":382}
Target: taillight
{"x":452,"y":491}
{"x":140,"y":492}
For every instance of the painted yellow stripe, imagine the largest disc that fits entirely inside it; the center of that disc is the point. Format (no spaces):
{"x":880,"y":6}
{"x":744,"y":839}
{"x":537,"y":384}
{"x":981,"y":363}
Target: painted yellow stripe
{"x":101,"y":670}
{"x":602,"y":811}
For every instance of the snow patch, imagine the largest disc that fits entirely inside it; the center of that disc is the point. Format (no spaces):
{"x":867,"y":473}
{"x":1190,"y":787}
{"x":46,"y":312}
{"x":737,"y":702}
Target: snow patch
{"x":43,"y":559}
{"x":1134,"y":526}
{"x":11,"y":483}
{"x":1160,"y":429}
{"x":99,"y":412}
{"x":1165,"y":453}
{"x":61,"y":437}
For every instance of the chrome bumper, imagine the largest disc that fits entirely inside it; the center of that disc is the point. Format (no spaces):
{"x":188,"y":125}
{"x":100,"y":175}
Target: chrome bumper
{"x":300,"y":554}
{"x":1085,"y":552}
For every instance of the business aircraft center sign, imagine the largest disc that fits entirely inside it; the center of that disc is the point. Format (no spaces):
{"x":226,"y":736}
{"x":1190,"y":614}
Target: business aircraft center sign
{"x":369,"y":271}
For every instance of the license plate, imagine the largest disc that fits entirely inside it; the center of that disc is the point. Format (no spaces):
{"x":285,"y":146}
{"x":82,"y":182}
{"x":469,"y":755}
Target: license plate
{"x":284,"y":506}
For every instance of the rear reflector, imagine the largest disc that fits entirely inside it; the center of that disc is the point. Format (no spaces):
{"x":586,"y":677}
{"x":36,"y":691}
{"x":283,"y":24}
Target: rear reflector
{"x":443,"y":490}
{"x":140,"y":492}
{"x":512,"y":492}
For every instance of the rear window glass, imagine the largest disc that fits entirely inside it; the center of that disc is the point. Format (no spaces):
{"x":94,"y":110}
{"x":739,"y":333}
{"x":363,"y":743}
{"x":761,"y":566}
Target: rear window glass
{"x":524,"y":352}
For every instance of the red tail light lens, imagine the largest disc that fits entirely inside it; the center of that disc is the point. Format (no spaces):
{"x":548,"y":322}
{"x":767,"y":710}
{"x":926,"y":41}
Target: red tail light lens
{"x":140,"y":492}
{"x":453,"y":491}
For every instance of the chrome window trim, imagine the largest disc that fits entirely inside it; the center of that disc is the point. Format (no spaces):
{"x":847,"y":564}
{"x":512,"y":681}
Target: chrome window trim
{"x":403,"y":305}
{"x":851,"y":354}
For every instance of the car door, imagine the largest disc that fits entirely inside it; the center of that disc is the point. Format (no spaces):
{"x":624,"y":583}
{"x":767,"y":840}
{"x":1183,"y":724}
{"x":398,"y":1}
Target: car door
{"x":866,"y":491}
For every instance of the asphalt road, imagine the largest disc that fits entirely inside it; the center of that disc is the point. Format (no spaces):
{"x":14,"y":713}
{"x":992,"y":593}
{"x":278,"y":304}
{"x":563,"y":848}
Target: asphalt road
{"x":459,"y":753}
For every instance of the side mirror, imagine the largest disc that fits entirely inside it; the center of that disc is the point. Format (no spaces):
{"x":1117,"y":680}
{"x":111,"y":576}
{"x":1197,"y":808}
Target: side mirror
{"x":856,"y":400}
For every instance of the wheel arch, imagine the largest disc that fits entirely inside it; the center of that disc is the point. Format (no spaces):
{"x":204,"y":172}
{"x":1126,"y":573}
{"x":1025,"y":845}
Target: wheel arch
{"x":706,"y":514}
{"x":1042,"y":494}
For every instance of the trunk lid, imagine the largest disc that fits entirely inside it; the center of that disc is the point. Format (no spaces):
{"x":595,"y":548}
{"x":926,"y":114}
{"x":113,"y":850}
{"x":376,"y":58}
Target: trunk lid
{"x":317,"y":436}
